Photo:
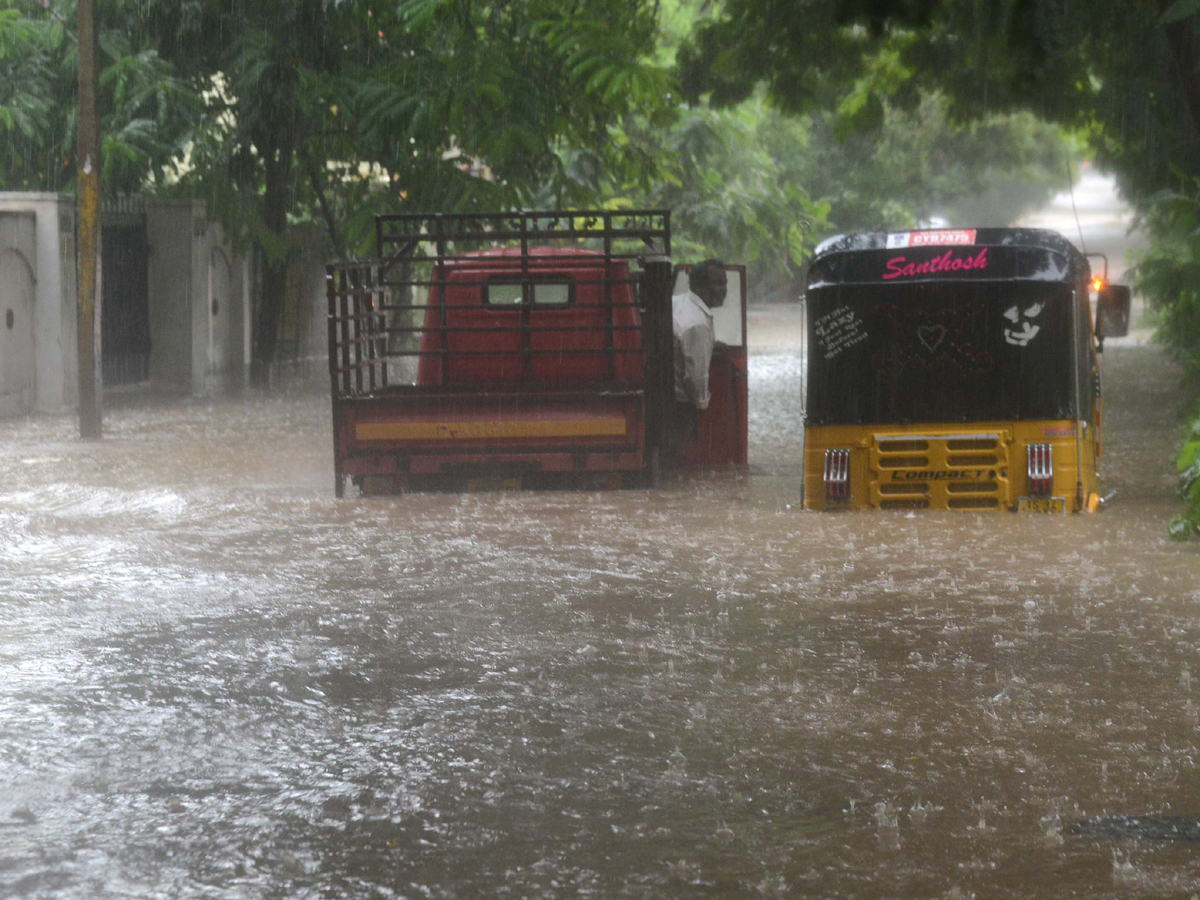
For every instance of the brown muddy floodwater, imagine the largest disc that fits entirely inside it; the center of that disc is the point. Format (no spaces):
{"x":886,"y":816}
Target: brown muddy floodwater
{"x":216,"y":681}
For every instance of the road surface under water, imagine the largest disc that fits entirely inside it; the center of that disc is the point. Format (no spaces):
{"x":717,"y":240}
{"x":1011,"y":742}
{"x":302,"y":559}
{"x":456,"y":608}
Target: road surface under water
{"x":217,"y":681}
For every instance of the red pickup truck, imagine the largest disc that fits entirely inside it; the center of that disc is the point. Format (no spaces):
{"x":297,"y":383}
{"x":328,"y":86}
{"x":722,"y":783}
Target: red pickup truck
{"x":521,"y":350}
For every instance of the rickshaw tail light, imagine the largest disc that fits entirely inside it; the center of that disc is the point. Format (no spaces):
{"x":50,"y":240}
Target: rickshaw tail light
{"x":837,"y":476}
{"x":1041,"y":469}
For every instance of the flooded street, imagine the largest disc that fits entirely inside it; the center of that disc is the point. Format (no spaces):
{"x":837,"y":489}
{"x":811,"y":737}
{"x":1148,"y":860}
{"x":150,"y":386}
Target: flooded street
{"x":218,"y":681}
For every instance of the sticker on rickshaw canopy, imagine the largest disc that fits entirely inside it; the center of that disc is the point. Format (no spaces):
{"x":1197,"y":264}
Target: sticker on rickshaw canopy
{"x":940,"y":238}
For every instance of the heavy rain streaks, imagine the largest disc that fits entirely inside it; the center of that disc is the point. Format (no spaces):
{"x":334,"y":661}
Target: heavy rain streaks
{"x":219,"y":681}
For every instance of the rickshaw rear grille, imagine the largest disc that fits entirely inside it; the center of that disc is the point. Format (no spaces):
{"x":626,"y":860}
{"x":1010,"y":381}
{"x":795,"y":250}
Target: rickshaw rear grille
{"x":906,"y":489}
{"x":903,"y":462}
{"x":972,"y":487}
{"x":973,"y":503}
{"x":964,"y":471}
{"x":966,"y":461}
{"x":907,"y":503}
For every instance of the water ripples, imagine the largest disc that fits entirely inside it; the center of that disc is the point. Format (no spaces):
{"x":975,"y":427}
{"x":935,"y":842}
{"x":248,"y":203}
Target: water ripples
{"x":217,"y":681}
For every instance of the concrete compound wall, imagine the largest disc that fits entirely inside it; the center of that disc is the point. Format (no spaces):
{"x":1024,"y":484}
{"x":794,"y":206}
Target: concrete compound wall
{"x":37,"y":238}
{"x":18,"y":378}
{"x":303,"y":335}
{"x":199,"y":303}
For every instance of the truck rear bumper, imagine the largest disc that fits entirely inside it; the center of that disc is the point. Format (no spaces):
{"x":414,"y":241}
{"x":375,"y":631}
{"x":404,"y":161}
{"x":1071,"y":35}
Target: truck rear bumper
{"x":469,"y":436}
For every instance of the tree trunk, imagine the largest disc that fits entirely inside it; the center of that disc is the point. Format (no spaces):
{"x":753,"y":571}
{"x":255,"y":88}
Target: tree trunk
{"x":274,"y":283}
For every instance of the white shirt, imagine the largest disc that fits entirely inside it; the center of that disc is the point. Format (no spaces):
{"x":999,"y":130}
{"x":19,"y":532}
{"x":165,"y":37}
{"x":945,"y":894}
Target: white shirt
{"x":693,"y":322}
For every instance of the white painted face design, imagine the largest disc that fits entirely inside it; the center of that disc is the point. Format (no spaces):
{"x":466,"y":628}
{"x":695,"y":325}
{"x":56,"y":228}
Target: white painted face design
{"x":1027,"y":330}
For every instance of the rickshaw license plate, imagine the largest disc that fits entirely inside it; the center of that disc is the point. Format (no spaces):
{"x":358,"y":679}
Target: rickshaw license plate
{"x":1041,"y":504}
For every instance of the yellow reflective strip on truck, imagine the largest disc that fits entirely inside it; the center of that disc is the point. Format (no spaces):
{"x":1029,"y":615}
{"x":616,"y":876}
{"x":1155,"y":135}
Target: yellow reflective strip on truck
{"x":417,"y":431}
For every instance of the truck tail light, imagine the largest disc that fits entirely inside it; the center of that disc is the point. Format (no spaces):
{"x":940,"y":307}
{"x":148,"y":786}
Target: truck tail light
{"x":837,"y":476}
{"x":1041,"y":469}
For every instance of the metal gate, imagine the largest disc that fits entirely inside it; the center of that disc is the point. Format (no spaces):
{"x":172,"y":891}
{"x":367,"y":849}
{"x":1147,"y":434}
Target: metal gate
{"x":125,"y":298}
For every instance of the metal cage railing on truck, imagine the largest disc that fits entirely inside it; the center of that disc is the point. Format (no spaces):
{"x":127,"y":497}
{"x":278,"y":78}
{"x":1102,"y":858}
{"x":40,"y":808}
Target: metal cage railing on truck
{"x":619,"y":234}
{"x":408,"y":323}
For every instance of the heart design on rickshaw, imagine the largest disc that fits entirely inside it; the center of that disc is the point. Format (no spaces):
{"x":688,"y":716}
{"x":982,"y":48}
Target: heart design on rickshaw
{"x":931,"y":336}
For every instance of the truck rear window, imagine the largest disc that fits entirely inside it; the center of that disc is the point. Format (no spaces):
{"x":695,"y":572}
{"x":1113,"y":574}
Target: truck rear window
{"x":543,"y":293}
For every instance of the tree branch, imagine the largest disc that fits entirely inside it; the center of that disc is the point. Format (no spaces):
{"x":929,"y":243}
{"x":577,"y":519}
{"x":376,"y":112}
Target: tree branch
{"x":314,"y":177}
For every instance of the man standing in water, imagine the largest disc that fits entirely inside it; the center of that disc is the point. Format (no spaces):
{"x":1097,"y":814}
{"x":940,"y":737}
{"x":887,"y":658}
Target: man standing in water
{"x":694,"y":340}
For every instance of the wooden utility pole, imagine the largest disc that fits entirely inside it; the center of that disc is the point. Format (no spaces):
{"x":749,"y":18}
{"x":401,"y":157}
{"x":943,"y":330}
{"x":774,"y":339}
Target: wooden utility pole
{"x":88,"y":193}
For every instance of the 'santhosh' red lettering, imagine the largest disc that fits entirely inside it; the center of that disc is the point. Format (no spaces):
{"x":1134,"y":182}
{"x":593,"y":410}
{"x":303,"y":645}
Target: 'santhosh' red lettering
{"x":900,"y":267}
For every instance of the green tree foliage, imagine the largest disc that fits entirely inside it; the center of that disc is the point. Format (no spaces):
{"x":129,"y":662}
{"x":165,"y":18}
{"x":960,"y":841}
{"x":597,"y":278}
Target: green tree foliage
{"x":1169,"y":270}
{"x":891,"y":145}
{"x":919,"y":163}
{"x":724,"y":175}
{"x":261,"y":68}
{"x":343,"y":110}
{"x":755,"y":177}
{"x":813,"y":55}
{"x":1188,"y":465}
{"x":146,"y":112}
{"x":1124,"y":73}
{"x":29,"y":155}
